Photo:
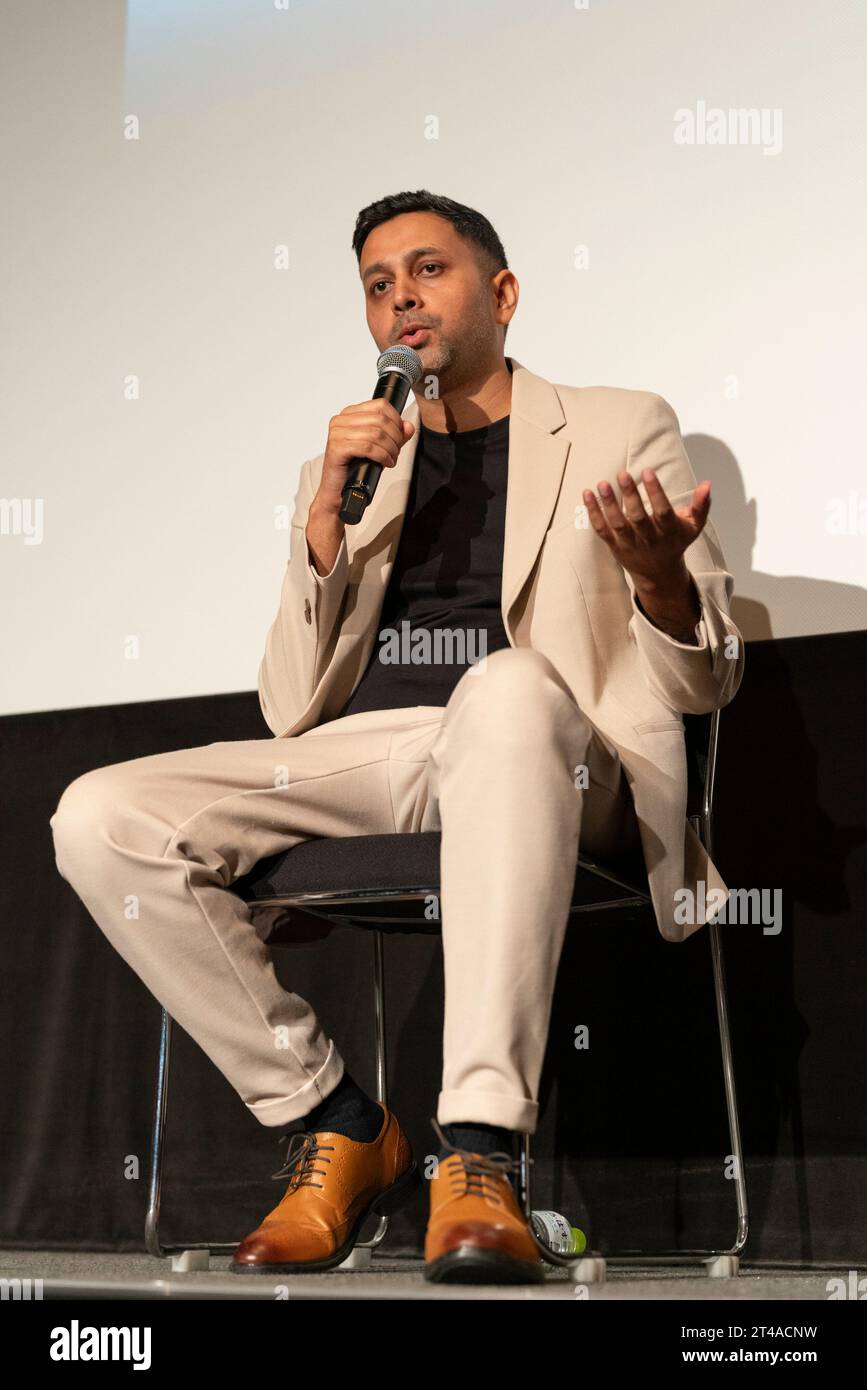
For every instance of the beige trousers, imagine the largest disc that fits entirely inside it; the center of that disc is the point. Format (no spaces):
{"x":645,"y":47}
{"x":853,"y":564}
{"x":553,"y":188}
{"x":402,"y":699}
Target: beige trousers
{"x":152,"y":845}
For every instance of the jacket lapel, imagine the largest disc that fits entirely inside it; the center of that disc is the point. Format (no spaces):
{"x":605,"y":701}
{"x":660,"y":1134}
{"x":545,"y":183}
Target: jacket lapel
{"x":537,"y":459}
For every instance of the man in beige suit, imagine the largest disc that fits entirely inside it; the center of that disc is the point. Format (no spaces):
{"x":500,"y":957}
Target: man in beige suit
{"x":594,"y":569}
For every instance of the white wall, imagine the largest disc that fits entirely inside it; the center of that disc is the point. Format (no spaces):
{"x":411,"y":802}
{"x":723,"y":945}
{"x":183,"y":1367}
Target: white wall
{"x":727,"y":278}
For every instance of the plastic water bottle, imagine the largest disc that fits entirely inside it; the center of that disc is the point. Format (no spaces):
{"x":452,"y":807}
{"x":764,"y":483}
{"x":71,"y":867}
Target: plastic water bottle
{"x":557,"y":1233}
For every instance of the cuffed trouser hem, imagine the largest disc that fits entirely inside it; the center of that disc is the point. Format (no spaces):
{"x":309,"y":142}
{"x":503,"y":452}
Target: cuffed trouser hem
{"x":274,"y":1113}
{"x":490,"y":1107}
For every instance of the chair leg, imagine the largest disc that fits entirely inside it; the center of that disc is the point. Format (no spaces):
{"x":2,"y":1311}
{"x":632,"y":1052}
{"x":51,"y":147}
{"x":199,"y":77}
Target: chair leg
{"x":152,"y":1219}
{"x":195,"y":1256}
{"x":582,"y":1269}
{"x":524,"y":1193}
{"x":731,"y":1096}
{"x":379,"y":1018}
{"x":368,"y":1246}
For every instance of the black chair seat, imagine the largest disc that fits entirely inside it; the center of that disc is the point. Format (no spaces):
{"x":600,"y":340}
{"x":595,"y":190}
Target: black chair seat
{"x":376,"y":875}
{"x":371,"y":879}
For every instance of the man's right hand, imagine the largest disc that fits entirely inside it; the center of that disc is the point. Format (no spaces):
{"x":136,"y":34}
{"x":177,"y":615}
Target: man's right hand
{"x":370,"y":430}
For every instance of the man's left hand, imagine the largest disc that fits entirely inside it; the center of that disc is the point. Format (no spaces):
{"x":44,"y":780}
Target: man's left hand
{"x":650,"y":546}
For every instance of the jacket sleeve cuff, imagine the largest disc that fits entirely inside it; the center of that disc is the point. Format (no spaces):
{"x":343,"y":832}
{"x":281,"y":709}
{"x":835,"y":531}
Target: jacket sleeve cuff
{"x":324,"y":592}
{"x":700,"y":630}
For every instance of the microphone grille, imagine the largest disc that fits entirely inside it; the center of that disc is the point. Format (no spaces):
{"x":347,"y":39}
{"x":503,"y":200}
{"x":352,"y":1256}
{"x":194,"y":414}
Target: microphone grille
{"x":400,"y":359}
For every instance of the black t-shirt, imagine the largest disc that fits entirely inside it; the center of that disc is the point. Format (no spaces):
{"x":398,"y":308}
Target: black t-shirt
{"x":442,"y":603}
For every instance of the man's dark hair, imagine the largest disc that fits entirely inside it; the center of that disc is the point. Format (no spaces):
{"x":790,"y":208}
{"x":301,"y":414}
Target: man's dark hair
{"x":471,"y":225}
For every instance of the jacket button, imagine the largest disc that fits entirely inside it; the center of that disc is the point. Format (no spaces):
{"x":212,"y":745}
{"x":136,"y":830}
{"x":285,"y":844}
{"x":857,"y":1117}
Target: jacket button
{"x":307,"y":617}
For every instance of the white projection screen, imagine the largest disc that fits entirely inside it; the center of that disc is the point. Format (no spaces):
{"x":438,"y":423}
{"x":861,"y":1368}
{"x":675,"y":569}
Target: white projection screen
{"x":680,"y":189}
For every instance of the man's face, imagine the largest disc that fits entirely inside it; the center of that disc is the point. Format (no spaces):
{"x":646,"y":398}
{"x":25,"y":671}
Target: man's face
{"x":416,"y":267}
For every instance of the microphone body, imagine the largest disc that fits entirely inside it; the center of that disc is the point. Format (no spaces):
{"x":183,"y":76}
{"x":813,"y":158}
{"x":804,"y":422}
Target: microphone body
{"x":398,"y":368}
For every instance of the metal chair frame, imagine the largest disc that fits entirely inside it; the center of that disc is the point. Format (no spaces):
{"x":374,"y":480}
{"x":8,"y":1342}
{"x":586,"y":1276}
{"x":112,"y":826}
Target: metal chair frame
{"x":586,"y":1267}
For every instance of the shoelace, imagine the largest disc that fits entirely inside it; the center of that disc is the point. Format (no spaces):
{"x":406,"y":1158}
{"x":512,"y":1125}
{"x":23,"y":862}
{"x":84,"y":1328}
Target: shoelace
{"x":301,"y":1158}
{"x":474,"y":1169}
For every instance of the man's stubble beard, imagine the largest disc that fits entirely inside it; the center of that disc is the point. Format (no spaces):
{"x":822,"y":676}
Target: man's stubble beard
{"x":455,"y":362}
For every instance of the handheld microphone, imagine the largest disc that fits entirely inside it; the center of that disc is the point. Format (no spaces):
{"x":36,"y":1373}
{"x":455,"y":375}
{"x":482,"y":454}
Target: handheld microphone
{"x":399,"y":368}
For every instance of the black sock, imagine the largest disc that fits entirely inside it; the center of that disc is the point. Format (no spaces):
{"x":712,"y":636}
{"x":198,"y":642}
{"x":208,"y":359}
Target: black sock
{"x":477,"y":1137}
{"x":347,"y":1110}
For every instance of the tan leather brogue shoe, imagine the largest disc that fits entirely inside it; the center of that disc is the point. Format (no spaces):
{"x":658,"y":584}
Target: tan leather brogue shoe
{"x":477,"y":1233}
{"x":334,"y":1184}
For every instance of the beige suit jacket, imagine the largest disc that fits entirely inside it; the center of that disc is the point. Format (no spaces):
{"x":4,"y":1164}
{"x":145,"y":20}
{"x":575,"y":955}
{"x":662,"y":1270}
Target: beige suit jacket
{"x":563,"y":594}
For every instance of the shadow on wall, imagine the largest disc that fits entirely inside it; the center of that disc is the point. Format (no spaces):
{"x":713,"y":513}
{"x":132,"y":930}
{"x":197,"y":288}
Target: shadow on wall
{"x":767,"y":605}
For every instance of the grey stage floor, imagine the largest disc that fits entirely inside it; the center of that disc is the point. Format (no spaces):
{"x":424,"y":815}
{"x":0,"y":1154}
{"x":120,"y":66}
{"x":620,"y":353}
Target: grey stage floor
{"x":137,"y":1276}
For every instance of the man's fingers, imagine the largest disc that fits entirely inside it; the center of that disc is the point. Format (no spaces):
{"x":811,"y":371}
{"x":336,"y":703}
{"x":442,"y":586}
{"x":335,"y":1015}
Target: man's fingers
{"x":701,"y":502}
{"x":662,"y":508}
{"x":632,"y":503}
{"x":696,"y":513}
{"x":597,"y":520}
{"x":611,"y":508}
{"x":359,"y":434}
{"x":376,"y":415}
